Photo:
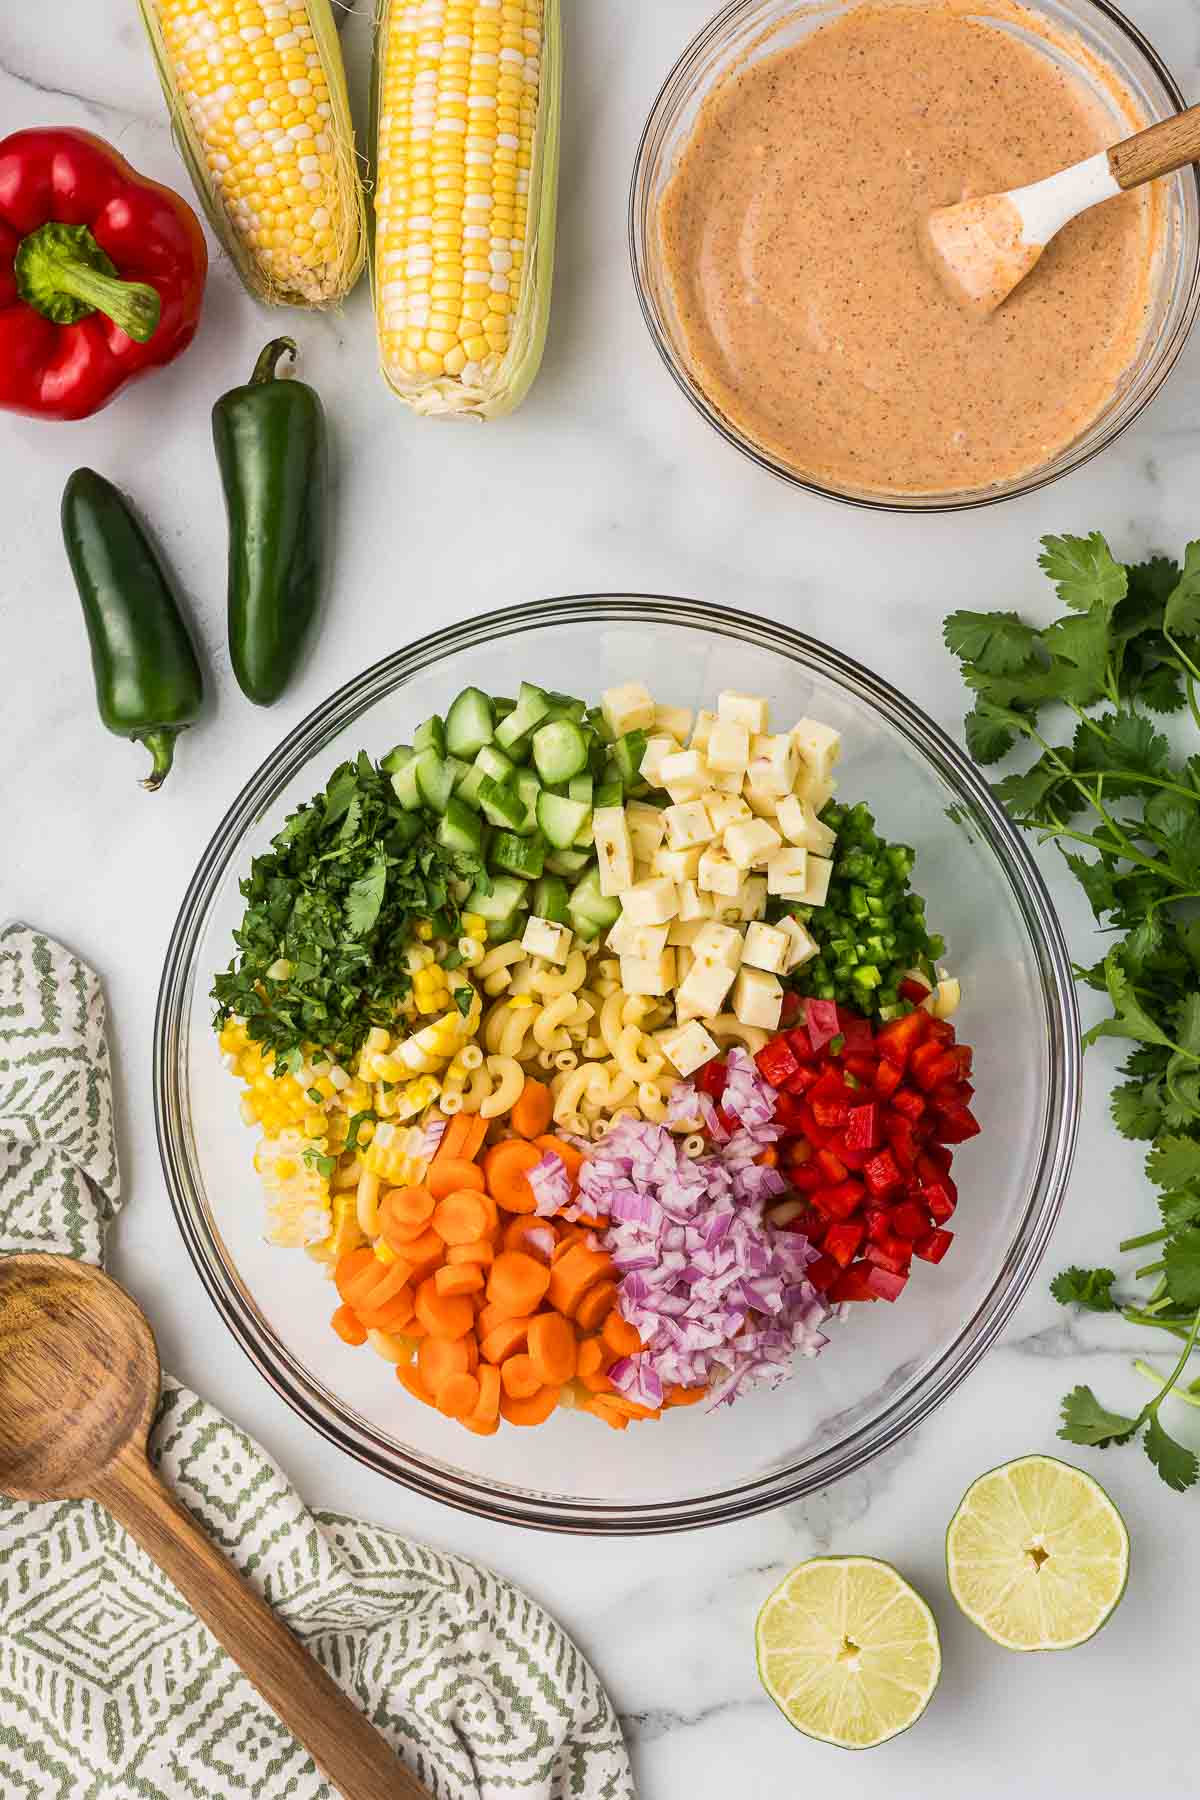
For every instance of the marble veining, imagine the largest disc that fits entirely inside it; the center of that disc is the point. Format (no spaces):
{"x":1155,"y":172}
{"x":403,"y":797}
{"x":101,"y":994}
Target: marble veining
{"x":605,"y":481}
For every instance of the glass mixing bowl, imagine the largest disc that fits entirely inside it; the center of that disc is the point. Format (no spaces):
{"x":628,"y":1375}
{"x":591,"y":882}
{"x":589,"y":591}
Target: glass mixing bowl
{"x":887,"y":1367}
{"x":757,"y":28}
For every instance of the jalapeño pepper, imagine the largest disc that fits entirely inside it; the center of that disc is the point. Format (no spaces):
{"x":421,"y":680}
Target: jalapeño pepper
{"x":271,"y":452}
{"x":148,"y":681}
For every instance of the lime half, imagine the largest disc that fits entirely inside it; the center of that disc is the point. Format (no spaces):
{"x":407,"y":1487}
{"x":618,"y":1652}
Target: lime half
{"x":848,"y":1651}
{"x":1037,"y":1555}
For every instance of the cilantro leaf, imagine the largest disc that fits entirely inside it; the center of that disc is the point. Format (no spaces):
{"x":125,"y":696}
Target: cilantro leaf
{"x":1089,"y":1288}
{"x":1130,"y":1019}
{"x":1025,"y":795}
{"x":1174,"y":1162}
{"x":998,"y":643}
{"x":1180,"y":1210}
{"x":1161,"y":690}
{"x":1137,"y":1110}
{"x":463,"y":999}
{"x":1176,"y":825}
{"x":365,"y":898}
{"x":1178,"y":1466}
{"x":1096,"y":880}
{"x":988,"y":739}
{"x":1084,"y":573}
{"x":1182,"y":616}
{"x":1085,"y":1421}
{"x":1182,"y":1273}
{"x":1084,"y":642}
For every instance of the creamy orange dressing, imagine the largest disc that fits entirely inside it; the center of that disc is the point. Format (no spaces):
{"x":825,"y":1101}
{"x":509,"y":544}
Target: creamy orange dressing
{"x":794,"y":233}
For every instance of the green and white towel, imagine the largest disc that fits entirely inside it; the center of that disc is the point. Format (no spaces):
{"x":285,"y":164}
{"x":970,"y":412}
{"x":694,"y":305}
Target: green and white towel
{"x":109,"y":1686}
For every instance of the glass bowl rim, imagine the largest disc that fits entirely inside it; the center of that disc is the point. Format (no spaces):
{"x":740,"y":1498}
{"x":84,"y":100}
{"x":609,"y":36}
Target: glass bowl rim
{"x":922,"y":507}
{"x":473,"y":1494}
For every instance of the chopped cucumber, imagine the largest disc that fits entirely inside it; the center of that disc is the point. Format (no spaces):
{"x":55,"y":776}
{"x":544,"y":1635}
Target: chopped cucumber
{"x":559,"y":750}
{"x":468,"y":788}
{"x":550,"y":900}
{"x":560,"y":820}
{"x":589,"y":911}
{"x":459,"y":770}
{"x":470,"y":723}
{"x":395,"y":759}
{"x":431,"y":735}
{"x":404,"y":786}
{"x":581,"y":787}
{"x":501,"y":806}
{"x":521,"y":856}
{"x":493,"y":762}
{"x":502,"y":706}
{"x":460,"y":828}
{"x":531,"y":708}
{"x":627,"y":754}
{"x":528,"y":789}
{"x":435,"y":779}
{"x":512,"y":925}
{"x":505,"y":896}
{"x":609,"y":793}
{"x":568,"y":862}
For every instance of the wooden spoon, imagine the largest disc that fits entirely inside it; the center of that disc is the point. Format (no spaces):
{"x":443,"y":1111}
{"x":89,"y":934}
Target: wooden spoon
{"x":983,"y":248}
{"x":79,"y":1382}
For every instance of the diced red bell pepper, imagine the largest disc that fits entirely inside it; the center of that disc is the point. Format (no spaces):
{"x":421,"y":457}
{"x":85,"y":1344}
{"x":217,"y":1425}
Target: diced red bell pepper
{"x":941,"y":1030}
{"x":914,"y":990}
{"x":790,"y":1113}
{"x":840,"y":1202}
{"x":879,"y":1223}
{"x":821,"y":1017}
{"x":817,"y":1136}
{"x":882,"y":1175}
{"x":901,"y":1136}
{"x":831,"y":1166}
{"x":854,"y":1160}
{"x":790,"y":1009}
{"x":954,"y":1124}
{"x":910,"y":1220}
{"x":712,"y":1078}
{"x":937,"y":1074}
{"x":935,"y":1159}
{"x":863,"y":1068}
{"x":794,"y":1151}
{"x":925,"y":1054}
{"x":937,"y":1200}
{"x":888,"y":1077}
{"x":823,"y":1273}
{"x":842,"y":1241}
{"x":804,"y":1078}
{"x":952,"y":1093}
{"x":853,"y":1283}
{"x":932,"y":1248}
{"x":829,"y":1114}
{"x":804,"y":1177}
{"x":775,"y":1062}
{"x":897,"y":1040}
{"x":807,"y":1222}
{"x":884,"y":1284}
{"x":884,"y":1256}
{"x":858,"y":1033}
{"x":964,"y":1056}
{"x":800,"y":1047}
{"x":905,"y":1101}
{"x":862,"y":1127}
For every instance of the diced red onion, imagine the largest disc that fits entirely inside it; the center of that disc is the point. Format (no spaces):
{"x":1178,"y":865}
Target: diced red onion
{"x":551,"y":1185}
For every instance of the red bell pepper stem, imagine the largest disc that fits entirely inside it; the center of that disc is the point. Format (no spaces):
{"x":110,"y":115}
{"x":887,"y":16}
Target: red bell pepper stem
{"x":61,"y":271}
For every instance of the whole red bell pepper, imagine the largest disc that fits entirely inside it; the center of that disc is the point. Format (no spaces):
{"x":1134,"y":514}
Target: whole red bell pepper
{"x":101,"y":273}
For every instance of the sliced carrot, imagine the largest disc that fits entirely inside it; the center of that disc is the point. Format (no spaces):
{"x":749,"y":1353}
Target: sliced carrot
{"x":345,"y":1323}
{"x":350,"y":1266}
{"x":534,"y":1109}
{"x":448,"y":1176}
{"x":458,"y":1396}
{"x":683,"y":1396}
{"x":410,"y":1205}
{"x":409,"y":1376}
{"x":439,"y":1358}
{"x":390,"y":1315}
{"x":506,"y":1166}
{"x":487,"y":1409}
{"x":450,"y":1149}
{"x":553,"y":1349}
{"x":504,"y":1340}
{"x":482,"y":1427}
{"x":519,"y":1377}
{"x":537,"y":1237}
{"x":449,"y":1318}
{"x":622,"y":1338}
{"x":415,"y":1329}
{"x":517,"y":1282}
{"x":592,"y":1222}
{"x":566,"y":1153}
{"x":631,"y":1408}
{"x":461,"y":1217}
{"x":489,"y":1318}
{"x":466,"y":1278}
{"x":595,"y":1306}
{"x":568,"y":1235}
{"x":481,"y":1252}
{"x":534,"y":1410}
{"x":472,"y":1343}
{"x":600,"y":1408}
{"x":425,"y":1254}
{"x":574,"y":1273}
{"x":592,"y":1364}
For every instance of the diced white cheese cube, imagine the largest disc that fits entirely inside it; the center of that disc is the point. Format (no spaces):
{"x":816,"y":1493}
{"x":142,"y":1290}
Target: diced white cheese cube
{"x":687,"y":825}
{"x":701,"y":995}
{"x":719,"y":874}
{"x":683,"y":962}
{"x":676,"y":721}
{"x":816,"y":890}
{"x":751,"y":842}
{"x":728,"y":747}
{"x":766,"y":947}
{"x":645,"y":975}
{"x":774,"y":763}
{"x":750,"y":710}
{"x":658,"y":748}
{"x":679,"y":865}
{"x":646,"y":830}
{"x":724,"y":809}
{"x":694,"y":905}
{"x":726,"y":781}
{"x":688,"y":1048}
{"x":644,"y":941}
{"x":718,"y":944}
{"x":801,"y":946}
{"x":757,"y":999}
{"x":684,"y":774}
{"x":800,"y":825}
{"x":753,"y":897}
{"x":651,"y":902}
{"x":683,"y":932}
{"x":701,"y":730}
{"x":817,"y":793}
{"x":544,"y":938}
{"x":614,"y":850}
{"x":762,"y":804}
{"x":627,"y":708}
{"x":787,"y":873}
{"x":819,"y":745}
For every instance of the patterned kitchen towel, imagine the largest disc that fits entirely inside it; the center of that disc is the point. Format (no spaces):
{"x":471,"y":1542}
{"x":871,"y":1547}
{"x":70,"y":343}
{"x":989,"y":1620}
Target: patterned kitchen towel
{"x":109,"y":1686}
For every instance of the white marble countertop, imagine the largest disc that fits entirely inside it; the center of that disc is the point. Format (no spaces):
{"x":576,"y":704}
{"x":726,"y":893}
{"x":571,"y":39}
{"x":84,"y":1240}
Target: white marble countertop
{"x":605,"y":481}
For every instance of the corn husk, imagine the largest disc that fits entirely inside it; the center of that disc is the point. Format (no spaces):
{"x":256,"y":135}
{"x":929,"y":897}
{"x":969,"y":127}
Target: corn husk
{"x":347,"y":257}
{"x":506,"y":388}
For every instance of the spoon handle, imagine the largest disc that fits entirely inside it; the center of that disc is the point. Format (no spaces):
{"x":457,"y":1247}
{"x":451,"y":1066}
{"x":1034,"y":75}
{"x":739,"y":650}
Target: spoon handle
{"x":345,"y":1747}
{"x":1159,"y":151}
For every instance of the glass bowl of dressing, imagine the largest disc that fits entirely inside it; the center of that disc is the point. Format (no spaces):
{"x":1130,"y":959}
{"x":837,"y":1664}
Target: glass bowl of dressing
{"x":752,"y":254}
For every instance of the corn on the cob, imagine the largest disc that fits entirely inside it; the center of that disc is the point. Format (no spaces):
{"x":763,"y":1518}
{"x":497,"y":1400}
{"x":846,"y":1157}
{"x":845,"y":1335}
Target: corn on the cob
{"x":467,"y":99}
{"x":257,"y":94}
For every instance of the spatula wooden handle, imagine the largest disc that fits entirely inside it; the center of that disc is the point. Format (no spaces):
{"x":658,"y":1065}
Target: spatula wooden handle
{"x":1159,"y":151}
{"x":347,"y":1750}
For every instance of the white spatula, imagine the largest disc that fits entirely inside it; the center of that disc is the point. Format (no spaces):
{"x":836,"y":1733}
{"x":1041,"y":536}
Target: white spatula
{"x":984,"y":248}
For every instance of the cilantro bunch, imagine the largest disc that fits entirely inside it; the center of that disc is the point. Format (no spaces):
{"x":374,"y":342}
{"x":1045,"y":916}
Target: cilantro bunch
{"x":329,"y":915}
{"x":1124,"y":807}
